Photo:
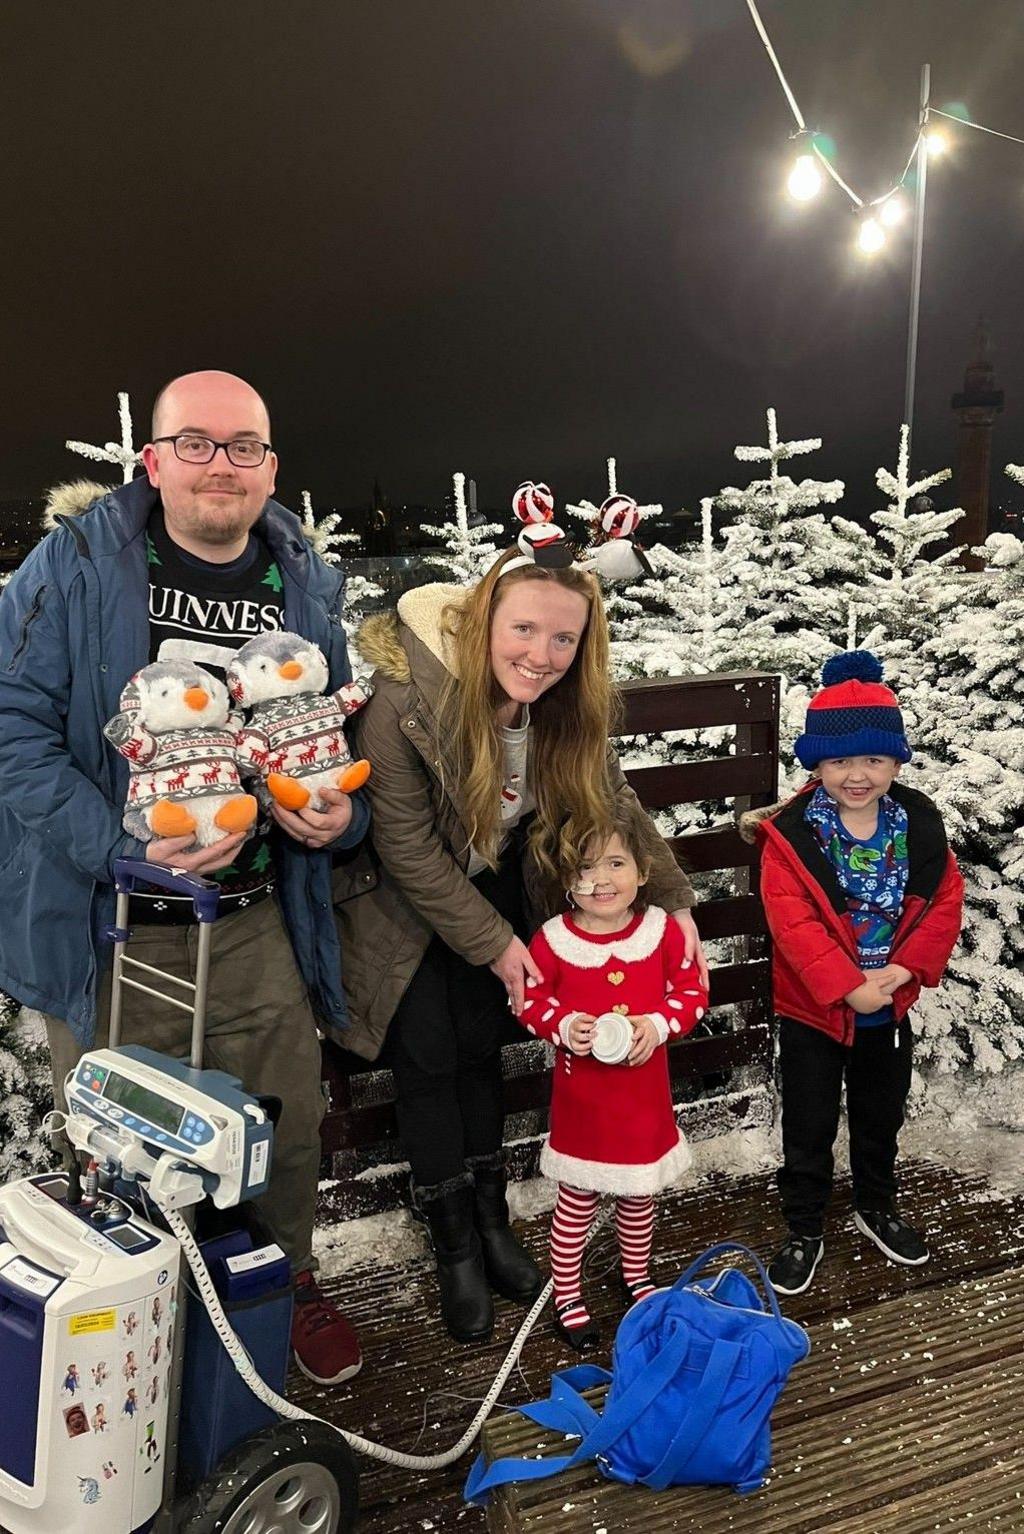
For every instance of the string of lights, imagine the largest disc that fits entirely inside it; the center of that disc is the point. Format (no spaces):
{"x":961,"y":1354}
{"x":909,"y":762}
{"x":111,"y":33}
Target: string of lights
{"x":876,"y":215}
{"x":965,"y":122}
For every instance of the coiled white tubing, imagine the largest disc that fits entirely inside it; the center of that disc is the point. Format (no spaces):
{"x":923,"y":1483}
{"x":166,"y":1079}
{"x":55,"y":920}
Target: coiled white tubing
{"x":236,"y":1351}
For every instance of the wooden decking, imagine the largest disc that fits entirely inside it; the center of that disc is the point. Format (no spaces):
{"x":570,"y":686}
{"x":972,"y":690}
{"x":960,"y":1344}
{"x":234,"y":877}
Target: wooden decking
{"x":908,"y":1414}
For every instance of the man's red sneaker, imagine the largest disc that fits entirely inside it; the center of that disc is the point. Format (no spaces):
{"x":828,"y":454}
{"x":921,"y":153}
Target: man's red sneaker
{"x":325,"y":1345}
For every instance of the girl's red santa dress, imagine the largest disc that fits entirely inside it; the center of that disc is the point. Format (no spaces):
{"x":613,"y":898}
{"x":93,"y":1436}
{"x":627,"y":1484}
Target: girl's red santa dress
{"x":612,"y":1126}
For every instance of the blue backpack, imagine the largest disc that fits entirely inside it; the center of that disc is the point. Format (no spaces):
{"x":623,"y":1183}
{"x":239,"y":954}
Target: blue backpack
{"x":696,"y":1371}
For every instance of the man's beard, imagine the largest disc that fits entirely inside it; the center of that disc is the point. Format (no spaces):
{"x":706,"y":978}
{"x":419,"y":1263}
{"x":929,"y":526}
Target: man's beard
{"x":231,"y":521}
{"x":223,"y":529}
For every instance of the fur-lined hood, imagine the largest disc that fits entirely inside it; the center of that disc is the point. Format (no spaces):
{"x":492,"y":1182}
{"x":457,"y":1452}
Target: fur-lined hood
{"x":748,"y":822}
{"x":71,"y":499}
{"x":390,"y":641}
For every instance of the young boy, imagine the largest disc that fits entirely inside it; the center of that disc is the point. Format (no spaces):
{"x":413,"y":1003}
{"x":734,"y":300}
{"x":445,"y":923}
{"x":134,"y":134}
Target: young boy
{"x":863,"y":899}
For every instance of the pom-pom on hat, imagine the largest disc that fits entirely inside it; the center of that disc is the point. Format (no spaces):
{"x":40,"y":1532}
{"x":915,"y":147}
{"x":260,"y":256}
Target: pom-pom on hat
{"x":855,"y":714}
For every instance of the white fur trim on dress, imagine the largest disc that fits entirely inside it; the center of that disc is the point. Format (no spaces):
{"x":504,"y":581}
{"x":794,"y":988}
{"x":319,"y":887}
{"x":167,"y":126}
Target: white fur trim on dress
{"x":582,"y":954}
{"x":618,"y":1178}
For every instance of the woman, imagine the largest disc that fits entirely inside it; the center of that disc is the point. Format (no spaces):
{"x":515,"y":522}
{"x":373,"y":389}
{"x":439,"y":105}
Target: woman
{"x":488,"y":731}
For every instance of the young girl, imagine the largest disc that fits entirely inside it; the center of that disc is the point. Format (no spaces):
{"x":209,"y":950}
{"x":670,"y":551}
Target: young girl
{"x":613,"y":1129}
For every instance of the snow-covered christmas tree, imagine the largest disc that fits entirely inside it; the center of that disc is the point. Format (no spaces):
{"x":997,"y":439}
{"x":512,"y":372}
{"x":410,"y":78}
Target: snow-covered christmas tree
{"x":469,"y":549}
{"x":361,"y":594}
{"x":754,"y":599}
{"x":781,"y":555}
{"x":908,"y":593}
{"x":682,"y":626}
{"x":26,"y":1092}
{"x":969,"y":695}
{"x":123,"y":453}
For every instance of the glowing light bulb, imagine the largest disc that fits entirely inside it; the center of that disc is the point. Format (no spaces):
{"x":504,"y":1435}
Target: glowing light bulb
{"x":936,"y":142}
{"x":892,"y":211}
{"x":871,"y":237}
{"x":804,"y":179}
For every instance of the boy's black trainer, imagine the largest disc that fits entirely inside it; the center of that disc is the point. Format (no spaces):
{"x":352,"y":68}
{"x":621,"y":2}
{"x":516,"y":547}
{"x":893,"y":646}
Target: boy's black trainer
{"x":792,"y":1268}
{"x":892,"y":1235}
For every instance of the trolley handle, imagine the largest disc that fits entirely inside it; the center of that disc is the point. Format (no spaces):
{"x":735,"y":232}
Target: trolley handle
{"x":129,"y":872}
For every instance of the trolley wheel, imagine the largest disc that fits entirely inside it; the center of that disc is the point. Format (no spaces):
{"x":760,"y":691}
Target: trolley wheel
{"x":292,"y":1478}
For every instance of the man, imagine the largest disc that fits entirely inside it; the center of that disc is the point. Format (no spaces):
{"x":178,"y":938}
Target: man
{"x":190,"y":561}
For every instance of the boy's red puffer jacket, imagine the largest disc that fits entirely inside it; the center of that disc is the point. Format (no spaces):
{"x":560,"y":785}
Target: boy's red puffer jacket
{"x":814,"y":962}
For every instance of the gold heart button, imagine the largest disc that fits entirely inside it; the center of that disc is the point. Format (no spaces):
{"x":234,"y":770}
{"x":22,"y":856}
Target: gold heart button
{"x":623,"y":1007}
{"x":615,"y":977}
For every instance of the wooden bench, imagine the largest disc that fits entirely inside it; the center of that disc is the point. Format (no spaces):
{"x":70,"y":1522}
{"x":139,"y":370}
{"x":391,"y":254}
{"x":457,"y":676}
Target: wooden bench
{"x":359,"y":1132}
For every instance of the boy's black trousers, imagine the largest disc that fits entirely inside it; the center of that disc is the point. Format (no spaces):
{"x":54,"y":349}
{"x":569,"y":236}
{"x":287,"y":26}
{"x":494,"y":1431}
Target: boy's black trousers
{"x":813,"y":1067}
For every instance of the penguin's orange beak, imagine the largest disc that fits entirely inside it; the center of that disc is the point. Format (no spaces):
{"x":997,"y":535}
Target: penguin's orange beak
{"x":197,"y":698}
{"x":290,"y":670}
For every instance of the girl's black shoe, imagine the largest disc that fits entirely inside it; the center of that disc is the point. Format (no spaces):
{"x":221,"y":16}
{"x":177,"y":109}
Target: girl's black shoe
{"x":631,"y":1294}
{"x":580,"y":1338}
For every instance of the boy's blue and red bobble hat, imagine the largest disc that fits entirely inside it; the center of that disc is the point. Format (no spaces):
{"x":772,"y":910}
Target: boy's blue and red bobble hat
{"x":853,"y":715}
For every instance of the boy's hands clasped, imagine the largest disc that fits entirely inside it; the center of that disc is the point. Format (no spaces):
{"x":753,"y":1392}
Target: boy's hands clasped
{"x":877,"y":988}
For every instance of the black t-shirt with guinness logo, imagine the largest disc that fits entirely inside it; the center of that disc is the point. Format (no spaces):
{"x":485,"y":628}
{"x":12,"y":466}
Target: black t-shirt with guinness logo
{"x":204,"y":612}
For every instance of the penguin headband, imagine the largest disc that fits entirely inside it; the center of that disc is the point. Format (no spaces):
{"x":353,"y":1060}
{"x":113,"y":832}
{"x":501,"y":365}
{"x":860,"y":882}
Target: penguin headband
{"x":545,"y":545}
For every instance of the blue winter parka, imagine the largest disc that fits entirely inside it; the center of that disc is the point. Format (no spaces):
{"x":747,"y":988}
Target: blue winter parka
{"x":74,"y":626}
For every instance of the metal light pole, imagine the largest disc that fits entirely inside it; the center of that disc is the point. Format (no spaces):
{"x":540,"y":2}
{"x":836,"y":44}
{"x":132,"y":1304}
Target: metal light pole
{"x":915,"y":279}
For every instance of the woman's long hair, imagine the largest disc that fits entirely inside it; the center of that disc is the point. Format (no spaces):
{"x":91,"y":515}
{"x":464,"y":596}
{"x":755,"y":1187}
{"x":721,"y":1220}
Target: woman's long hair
{"x":570,"y":722}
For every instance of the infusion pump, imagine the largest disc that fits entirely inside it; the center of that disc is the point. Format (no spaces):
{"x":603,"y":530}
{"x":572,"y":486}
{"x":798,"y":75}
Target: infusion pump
{"x":153,"y":1116}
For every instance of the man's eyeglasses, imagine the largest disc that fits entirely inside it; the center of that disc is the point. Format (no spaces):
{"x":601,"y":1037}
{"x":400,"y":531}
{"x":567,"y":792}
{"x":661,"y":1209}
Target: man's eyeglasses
{"x":243,"y":452}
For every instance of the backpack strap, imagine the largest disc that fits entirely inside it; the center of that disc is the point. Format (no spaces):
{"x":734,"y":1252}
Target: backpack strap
{"x":718,"y":1372}
{"x":717,"y":1251}
{"x":618,"y":1418}
{"x":565,"y":1411}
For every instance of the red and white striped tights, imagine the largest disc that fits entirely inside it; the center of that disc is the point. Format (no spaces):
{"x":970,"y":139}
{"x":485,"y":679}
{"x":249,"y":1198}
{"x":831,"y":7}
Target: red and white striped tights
{"x":570,"y":1225}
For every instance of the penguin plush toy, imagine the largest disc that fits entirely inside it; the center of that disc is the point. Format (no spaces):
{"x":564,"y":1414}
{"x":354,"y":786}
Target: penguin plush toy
{"x":294,"y":742}
{"x":178,"y":734}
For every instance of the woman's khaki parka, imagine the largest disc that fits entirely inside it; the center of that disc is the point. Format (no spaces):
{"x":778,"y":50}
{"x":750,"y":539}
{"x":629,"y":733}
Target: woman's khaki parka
{"x":407,"y":880}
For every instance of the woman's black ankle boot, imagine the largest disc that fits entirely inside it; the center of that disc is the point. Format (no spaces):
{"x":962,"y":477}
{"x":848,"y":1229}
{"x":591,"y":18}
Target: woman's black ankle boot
{"x":510,"y":1269}
{"x":466,"y":1305}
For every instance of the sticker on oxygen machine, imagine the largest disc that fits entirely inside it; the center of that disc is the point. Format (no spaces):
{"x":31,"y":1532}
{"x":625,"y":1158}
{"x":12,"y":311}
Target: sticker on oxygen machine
{"x":76,"y":1420}
{"x":33,"y":1280}
{"x":246,"y":1261}
{"x":90,"y":1321}
{"x":258,"y":1161}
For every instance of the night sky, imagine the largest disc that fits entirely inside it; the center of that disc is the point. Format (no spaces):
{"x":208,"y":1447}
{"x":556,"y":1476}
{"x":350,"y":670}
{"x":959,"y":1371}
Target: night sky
{"x":504,"y":236}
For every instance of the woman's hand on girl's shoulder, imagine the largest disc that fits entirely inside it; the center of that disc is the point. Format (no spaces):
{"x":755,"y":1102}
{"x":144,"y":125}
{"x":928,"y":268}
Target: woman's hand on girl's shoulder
{"x":513,"y":967}
{"x":691,"y":937}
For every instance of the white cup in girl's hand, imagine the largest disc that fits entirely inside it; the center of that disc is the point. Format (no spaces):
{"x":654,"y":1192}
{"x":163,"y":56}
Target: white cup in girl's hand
{"x":613,"y":1038}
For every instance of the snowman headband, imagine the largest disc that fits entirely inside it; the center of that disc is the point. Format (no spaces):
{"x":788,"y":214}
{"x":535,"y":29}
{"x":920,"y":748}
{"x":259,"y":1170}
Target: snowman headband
{"x":544,"y":545}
